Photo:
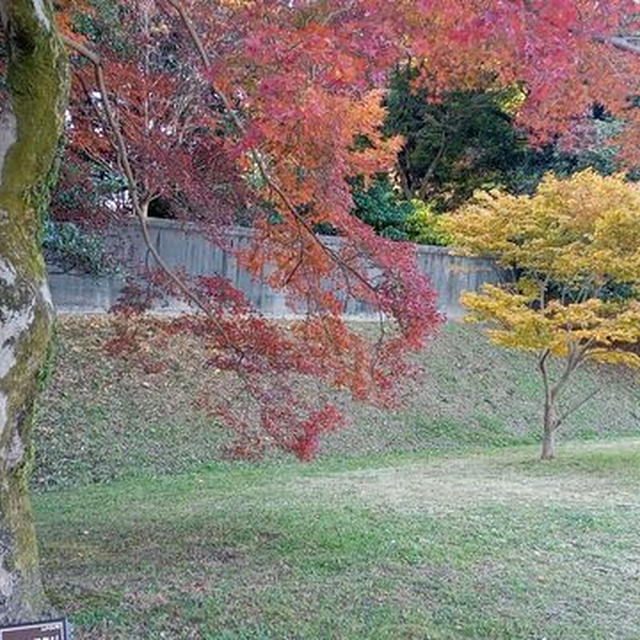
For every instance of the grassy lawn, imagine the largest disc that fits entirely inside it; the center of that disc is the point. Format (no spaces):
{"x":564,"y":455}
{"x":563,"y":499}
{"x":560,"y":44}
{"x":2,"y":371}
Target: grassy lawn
{"x":430,"y":522}
{"x":401,"y":545}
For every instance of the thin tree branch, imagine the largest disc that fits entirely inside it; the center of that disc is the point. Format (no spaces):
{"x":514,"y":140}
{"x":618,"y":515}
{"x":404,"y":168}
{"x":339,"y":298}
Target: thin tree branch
{"x":571,"y":363}
{"x":140,"y":209}
{"x":622,"y":43}
{"x":424,"y":183}
{"x":273,"y":185}
{"x":576,"y":406}
{"x":542,"y":364}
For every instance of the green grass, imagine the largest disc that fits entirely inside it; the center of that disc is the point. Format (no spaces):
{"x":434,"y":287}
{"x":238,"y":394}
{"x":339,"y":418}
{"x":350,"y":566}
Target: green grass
{"x":104,"y":419}
{"x":485,"y":545}
{"x":435,"y":521}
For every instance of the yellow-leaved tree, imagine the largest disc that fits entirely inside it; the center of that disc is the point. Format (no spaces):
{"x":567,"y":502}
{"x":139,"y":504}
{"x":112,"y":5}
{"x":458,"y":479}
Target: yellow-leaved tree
{"x":570,"y":260}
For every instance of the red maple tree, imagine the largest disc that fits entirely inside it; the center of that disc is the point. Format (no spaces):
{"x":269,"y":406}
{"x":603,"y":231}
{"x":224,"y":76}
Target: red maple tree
{"x":267,"y":107}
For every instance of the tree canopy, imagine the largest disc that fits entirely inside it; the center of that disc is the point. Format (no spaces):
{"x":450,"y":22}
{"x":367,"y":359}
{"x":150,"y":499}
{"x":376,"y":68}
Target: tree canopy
{"x":571,"y":261}
{"x":267,"y":109}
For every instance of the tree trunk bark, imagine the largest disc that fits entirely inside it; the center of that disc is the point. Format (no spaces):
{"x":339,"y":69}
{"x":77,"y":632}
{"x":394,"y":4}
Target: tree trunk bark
{"x":403,"y":172}
{"x":548,"y":446}
{"x":548,"y":441}
{"x":31,"y":123}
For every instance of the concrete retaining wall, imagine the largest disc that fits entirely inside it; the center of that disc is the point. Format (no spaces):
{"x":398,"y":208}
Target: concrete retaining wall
{"x":185,"y":248}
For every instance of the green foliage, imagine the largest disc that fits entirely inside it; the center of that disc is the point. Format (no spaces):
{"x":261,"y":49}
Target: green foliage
{"x":425,"y":226}
{"x":468,"y":140}
{"x":384,"y":209}
{"x":103,"y":22}
{"x":596,"y":151}
{"x":85,"y":185}
{"x":464,"y":142}
{"x":381,"y":208}
{"x":70,"y":247}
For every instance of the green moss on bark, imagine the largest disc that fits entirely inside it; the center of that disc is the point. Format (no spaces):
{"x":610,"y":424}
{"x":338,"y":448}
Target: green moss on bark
{"x":37,"y":81}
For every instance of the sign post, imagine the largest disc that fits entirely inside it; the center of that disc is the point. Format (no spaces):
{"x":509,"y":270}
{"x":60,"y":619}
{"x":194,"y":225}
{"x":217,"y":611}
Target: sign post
{"x":47,"y":630}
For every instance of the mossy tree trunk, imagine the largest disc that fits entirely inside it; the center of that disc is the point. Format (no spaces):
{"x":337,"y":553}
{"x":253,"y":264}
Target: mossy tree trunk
{"x":31,"y":121}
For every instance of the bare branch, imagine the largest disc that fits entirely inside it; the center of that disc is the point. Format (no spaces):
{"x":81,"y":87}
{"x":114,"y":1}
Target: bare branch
{"x":623,"y":43}
{"x":542,"y":364}
{"x":576,"y":406}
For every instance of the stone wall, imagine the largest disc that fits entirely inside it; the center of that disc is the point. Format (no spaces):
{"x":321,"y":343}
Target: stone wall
{"x":185,"y":248}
